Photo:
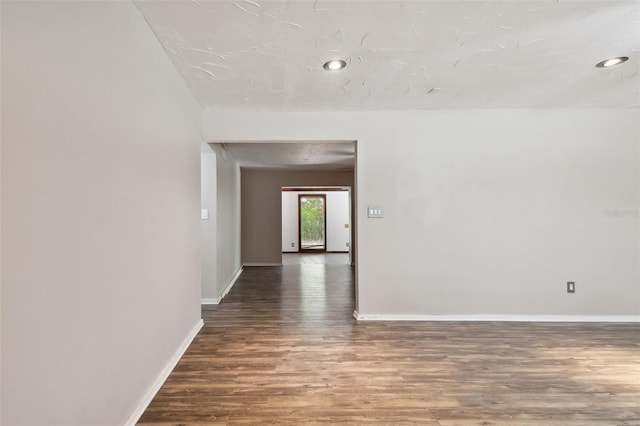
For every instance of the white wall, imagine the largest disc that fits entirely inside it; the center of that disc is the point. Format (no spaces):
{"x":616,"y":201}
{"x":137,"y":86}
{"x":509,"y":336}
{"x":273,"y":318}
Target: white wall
{"x":486,"y":211}
{"x":1,"y":314}
{"x":221,"y":231}
{"x":338,"y":214}
{"x":228,"y":218}
{"x":209,"y":202}
{"x":290,"y":222}
{"x":100,"y":212}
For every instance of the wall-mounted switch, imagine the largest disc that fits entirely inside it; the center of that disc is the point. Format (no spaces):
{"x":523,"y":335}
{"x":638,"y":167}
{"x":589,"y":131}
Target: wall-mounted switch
{"x":375,"y":211}
{"x":293,"y":244}
{"x":204,"y":214}
{"x":571,"y":287}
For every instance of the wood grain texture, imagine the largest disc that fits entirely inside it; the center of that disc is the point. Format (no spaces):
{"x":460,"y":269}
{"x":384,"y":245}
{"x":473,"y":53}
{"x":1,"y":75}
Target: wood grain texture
{"x":283,"y":348}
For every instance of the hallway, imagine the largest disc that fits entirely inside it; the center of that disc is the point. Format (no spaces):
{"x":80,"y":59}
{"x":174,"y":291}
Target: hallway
{"x":283,"y":347}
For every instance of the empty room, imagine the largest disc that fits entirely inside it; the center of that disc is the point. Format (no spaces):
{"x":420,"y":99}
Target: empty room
{"x":338,"y":212}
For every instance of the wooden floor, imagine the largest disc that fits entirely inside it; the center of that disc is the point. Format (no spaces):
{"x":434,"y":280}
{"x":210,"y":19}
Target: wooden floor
{"x":283,"y":347}
{"x":315,"y":258}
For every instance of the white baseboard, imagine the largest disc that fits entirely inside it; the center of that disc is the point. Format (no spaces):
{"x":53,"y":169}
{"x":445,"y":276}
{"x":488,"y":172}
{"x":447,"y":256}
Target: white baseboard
{"x":262,"y":264}
{"x":233,"y":280}
{"x":226,"y":290}
{"x":500,"y":318}
{"x":162,"y":377}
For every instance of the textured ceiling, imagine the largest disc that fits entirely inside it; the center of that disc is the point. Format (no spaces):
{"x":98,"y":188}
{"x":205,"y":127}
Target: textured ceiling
{"x":268,"y":55}
{"x":295,"y":155}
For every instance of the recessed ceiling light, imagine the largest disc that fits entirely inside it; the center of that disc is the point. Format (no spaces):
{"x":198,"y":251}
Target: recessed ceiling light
{"x":612,"y":62}
{"x":334,"y":65}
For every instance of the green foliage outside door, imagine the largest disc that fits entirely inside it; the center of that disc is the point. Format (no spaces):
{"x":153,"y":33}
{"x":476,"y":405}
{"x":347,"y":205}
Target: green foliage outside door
{"x":312,"y":222}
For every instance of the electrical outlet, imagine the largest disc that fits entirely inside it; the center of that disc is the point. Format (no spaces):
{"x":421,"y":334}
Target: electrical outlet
{"x":347,"y":244}
{"x":571,"y":287}
{"x":293,"y":244}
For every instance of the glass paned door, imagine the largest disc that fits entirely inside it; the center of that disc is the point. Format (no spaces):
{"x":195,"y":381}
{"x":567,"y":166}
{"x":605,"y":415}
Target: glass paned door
{"x":312,"y":220}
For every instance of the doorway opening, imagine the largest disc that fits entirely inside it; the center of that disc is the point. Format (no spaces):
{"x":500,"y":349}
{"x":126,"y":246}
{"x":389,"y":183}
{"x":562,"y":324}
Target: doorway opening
{"x":264,"y":168}
{"x":312,"y":222}
{"x":316,"y":225}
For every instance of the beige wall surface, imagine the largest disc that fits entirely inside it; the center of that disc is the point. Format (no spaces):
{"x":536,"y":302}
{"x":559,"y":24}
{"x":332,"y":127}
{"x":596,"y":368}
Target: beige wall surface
{"x":100,"y":202}
{"x":220,"y":188}
{"x":209,"y":242}
{"x":262,"y":208}
{"x":487,"y":212}
{"x":228,"y":217}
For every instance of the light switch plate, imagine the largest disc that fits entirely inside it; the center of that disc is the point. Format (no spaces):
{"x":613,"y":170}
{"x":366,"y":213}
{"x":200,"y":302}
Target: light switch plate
{"x":204,"y":214}
{"x":375,"y":211}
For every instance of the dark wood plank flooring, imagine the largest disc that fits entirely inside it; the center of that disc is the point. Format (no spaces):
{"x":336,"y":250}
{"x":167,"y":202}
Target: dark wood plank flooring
{"x":283,"y":347}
